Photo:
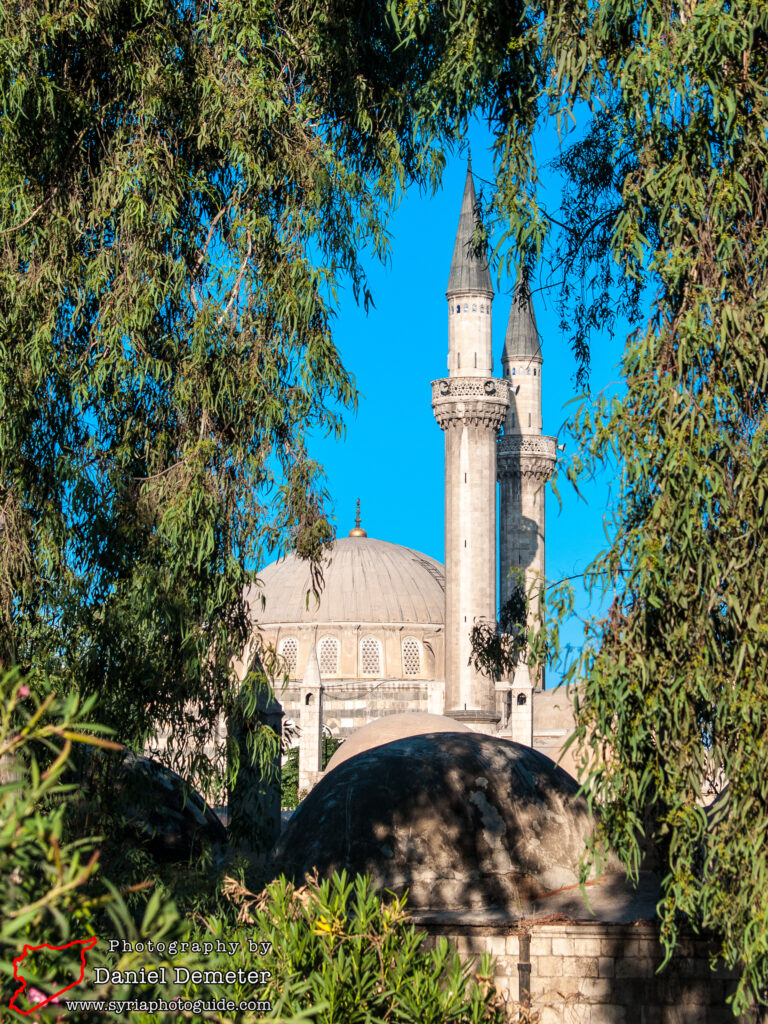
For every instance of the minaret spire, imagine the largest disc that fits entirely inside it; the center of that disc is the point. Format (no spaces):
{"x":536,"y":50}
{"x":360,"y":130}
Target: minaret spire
{"x":469,"y":265}
{"x":522,"y":338}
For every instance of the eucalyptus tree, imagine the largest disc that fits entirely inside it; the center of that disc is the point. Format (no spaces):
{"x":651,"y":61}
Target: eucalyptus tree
{"x":184,"y":187}
{"x":664,"y":220}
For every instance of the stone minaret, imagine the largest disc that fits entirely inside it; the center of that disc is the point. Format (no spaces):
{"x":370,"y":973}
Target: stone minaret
{"x":311,"y":726}
{"x":526,"y":460}
{"x":469,"y":406}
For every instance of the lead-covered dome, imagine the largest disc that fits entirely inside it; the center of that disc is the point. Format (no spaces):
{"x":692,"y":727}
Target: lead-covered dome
{"x":459,"y":820}
{"x":367,"y":581}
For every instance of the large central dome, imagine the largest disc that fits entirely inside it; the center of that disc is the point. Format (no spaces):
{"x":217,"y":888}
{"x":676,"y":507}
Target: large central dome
{"x":367,"y":581}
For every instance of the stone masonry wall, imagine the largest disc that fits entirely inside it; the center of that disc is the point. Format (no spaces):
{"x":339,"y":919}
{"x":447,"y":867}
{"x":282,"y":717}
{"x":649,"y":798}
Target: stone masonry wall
{"x":349,"y":705}
{"x":597,"y":973}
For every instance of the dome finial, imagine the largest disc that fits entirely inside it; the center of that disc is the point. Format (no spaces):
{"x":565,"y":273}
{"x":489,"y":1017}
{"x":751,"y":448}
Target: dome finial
{"x":358,"y":531}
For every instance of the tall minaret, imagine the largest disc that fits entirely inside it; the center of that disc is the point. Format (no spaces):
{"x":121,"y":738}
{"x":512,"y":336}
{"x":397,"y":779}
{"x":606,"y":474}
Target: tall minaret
{"x":526,"y":458}
{"x":469,"y":406}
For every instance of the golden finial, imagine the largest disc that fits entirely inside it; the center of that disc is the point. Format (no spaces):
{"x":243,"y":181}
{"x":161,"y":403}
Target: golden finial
{"x":358,"y":531}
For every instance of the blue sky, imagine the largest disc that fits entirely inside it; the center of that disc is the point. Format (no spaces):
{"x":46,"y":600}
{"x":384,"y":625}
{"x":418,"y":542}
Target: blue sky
{"x":392,"y":458}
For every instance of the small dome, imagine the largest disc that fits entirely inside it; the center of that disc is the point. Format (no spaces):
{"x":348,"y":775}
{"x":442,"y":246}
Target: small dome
{"x":459,"y":819}
{"x":367,"y":581}
{"x":161,"y":812}
{"x":390,"y":728}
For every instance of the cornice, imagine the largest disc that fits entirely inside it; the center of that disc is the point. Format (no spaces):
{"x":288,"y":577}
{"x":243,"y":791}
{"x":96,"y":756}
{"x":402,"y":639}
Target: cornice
{"x":474,"y":401}
{"x":529,"y":455}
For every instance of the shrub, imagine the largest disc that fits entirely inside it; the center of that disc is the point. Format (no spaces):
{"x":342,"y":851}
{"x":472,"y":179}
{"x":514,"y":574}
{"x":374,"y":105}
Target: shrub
{"x":340,"y":954}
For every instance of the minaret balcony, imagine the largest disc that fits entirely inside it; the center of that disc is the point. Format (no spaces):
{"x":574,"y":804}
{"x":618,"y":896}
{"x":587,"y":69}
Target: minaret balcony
{"x":482,"y":401}
{"x":529,"y":454}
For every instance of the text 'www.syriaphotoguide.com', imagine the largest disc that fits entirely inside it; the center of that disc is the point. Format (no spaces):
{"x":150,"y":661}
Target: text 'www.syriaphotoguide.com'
{"x":161,"y":1005}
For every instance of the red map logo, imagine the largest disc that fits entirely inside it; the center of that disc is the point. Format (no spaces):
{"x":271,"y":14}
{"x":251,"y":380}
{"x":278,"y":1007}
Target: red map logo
{"x":84,"y":945}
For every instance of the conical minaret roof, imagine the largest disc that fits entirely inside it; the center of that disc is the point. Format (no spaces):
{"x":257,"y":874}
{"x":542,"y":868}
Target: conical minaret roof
{"x":312,"y":671}
{"x":522,"y":339}
{"x":469,"y":269}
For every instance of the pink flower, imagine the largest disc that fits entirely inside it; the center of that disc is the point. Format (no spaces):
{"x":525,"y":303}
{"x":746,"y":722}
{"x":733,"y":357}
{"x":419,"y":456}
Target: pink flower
{"x":23,"y":691}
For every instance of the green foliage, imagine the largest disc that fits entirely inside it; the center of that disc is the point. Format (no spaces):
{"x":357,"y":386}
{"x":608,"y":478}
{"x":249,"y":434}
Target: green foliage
{"x":666,"y":202}
{"x":49,"y":888}
{"x":338,"y":952}
{"x":289,"y":778}
{"x":183,"y":188}
{"x":42,"y":874}
{"x":497,"y":647}
{"x":341,"y":954}
{"x":674,"y":693}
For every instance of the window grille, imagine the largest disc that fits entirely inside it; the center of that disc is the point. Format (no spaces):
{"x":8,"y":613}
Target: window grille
{"x":328,"y":656}
{"x":289,"y":651}
{"x":411,"y":656}
{"x":370,"y":656}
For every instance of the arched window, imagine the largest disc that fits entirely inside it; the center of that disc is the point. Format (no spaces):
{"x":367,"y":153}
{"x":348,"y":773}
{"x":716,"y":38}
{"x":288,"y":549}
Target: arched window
{"x":370,"y":656}
{"x":328,"y":656}
{"x":521,"y":699}
{"x":513,"y":371}
{"x":411,"y":656}
{"x":534,"y":371}
{"x":288,"y":649}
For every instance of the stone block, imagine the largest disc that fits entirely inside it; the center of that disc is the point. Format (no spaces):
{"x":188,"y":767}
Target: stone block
{"x":640,"y":946}
{"x":563,"y":945}
{"x":577,"y":1013}
{"x":677,"y":991}
{"x":541,"y":945}
{"x":685,"y":967}
{"x":512,"y":945}
{"x":506,"y":966}
{"x":606,"y":967}
{"x":587,"y":946}
{"x":635,"y":967}
{"x":580,"y":966}
{"x":610,"y":1013}
{"x":565,"y":987}
{"x":547,"y":966}
{"x":598,"y":990}
{"x":551,"y":1014}
{"x":502,"y":986}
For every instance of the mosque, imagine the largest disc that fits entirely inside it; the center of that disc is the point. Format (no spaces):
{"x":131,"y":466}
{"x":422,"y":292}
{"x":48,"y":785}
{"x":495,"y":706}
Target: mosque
{"x":391,"y":633}
{"x":442,"y":790}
